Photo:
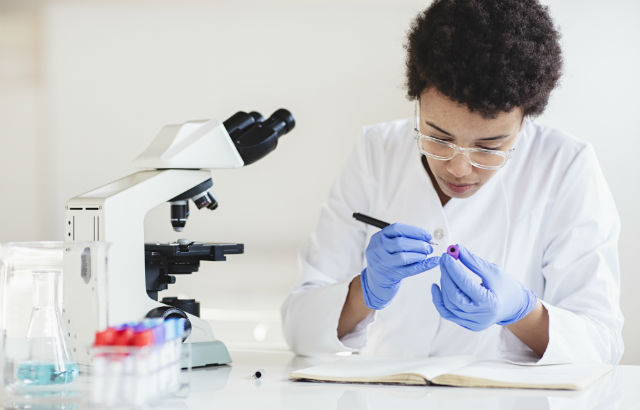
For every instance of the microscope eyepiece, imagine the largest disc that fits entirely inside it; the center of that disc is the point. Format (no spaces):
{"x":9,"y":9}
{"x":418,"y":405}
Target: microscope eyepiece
{"x":240,"y":122}
{"x":286,"y":117}
{"x":257,"y":116}
{"x":253,"y":136}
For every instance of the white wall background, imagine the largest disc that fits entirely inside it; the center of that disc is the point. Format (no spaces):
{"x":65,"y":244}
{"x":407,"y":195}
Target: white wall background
{"x":85,"y":86}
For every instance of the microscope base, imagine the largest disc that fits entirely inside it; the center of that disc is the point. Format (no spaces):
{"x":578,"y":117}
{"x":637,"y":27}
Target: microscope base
{"x":209,"y":353}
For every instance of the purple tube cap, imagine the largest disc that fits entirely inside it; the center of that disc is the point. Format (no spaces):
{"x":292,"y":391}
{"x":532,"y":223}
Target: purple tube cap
{"x":453,"y":251}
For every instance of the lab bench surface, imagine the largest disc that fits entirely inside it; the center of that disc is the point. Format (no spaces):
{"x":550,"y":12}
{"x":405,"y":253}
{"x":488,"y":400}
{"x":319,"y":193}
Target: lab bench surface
{"x":234,"y":387}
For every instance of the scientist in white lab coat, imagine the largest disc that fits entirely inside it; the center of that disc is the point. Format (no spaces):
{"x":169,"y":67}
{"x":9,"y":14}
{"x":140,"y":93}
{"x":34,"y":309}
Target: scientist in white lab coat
{"x":537,"y":278}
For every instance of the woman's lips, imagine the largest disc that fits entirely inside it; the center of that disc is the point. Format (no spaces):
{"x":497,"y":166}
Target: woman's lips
{"x":457,"y":188}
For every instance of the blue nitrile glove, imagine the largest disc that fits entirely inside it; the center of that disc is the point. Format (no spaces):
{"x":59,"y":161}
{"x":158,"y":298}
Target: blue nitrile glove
{"x":394,"y":253}
{"x":500,"y":298}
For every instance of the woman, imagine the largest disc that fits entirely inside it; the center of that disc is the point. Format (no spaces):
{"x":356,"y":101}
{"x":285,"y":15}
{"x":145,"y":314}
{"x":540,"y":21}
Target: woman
{"x":537,"y":278}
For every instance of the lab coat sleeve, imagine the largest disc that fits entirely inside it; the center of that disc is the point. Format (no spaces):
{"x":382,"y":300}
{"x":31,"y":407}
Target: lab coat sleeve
{"x":330,"y":259}
{"x":581,"y":269}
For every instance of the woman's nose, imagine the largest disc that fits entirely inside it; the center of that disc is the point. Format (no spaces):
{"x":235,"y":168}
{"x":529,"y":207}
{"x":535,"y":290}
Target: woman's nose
{"x":459,"y":166}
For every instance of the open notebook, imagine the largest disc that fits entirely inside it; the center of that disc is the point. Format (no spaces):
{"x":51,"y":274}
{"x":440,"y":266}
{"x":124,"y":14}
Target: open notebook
{"x":459,"y":371}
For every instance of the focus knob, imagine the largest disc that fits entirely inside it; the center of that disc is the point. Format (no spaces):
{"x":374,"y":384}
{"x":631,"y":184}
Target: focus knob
{"x":170,"y":312}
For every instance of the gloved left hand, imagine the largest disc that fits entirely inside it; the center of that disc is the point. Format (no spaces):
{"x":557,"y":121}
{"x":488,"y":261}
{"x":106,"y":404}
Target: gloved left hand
{"x":500,"y":298}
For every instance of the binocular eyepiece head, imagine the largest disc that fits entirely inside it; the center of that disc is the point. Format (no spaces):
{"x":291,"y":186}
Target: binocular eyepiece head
{"x":253,"y":136}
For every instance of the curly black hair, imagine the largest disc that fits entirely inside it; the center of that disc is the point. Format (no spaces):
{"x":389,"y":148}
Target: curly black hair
{"x":490,"y":55}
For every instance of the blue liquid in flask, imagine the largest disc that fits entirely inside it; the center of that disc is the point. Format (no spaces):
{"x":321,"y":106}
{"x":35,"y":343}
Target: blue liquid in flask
{"x":48,"y":361}
{"x":40,"y":374}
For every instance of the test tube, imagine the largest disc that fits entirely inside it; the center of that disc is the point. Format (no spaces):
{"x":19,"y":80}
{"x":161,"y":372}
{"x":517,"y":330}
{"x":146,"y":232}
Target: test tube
{"x":454,"y":251}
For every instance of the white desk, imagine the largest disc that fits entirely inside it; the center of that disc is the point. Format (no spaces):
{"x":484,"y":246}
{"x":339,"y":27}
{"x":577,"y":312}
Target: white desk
{"x":232,"y":387}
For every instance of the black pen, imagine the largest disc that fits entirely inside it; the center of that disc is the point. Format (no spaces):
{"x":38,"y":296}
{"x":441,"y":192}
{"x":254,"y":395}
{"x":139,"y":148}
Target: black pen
{"x":378,"y":223}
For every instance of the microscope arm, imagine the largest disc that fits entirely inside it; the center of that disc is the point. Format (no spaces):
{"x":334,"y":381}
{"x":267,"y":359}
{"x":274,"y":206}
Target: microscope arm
{"x":115,"y":213}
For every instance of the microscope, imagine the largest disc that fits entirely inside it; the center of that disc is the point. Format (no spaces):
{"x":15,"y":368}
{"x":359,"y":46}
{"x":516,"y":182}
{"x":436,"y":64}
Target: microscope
{"x":176,"y":169}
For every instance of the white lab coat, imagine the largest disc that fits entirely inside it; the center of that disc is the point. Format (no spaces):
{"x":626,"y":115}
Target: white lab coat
{"x":547,"y":218}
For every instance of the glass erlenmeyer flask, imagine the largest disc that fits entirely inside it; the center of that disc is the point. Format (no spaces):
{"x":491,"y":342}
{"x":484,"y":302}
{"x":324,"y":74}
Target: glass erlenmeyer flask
{"x":48,"y":359}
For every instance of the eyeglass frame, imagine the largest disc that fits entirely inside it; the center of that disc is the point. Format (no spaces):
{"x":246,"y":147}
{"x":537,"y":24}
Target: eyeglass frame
{"x":506,"y":155}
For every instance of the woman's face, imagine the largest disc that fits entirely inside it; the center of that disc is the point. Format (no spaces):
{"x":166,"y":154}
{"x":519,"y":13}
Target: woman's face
{"x":450,"y":121}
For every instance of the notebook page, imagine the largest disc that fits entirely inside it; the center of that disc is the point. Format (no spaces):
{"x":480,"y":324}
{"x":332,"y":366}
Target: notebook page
{"x":578,"y":375}
{"x":355,"y":367}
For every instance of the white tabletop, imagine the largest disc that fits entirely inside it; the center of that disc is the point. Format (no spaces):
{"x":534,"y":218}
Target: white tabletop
{"x":232,"y":387}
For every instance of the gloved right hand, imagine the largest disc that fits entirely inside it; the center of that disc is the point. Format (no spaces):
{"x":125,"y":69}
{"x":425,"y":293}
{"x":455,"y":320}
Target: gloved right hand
{"x":394,"y":253}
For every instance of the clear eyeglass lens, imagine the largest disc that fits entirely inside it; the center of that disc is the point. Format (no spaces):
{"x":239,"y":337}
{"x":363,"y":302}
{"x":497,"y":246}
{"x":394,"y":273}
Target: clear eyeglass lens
{"x":487,"y":159}
{"x":444,"y":151}
{"x":437,"y":149}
